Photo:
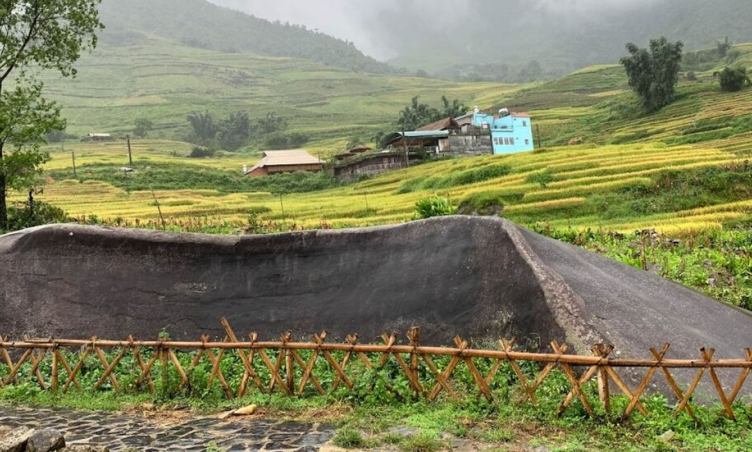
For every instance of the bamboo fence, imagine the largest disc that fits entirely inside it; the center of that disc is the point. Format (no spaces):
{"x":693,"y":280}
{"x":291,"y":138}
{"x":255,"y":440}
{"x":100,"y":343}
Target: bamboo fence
{"x":282,"y":357}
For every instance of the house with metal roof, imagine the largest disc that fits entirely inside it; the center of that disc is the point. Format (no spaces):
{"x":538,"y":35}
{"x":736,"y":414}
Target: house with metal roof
{"x":510,"y":132}
{"x":278,"y":162}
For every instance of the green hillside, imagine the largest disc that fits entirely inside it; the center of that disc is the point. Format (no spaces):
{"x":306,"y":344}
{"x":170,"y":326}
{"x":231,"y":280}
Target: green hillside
{"x":163,"y":81}
{"x":198,"y":23}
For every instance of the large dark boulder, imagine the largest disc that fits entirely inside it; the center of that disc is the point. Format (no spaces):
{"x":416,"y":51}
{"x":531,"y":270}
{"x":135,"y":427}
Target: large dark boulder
{"x":482,"y":278}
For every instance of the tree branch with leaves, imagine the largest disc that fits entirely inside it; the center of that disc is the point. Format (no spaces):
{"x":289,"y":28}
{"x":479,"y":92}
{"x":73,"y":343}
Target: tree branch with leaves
{"x":35,"y":35}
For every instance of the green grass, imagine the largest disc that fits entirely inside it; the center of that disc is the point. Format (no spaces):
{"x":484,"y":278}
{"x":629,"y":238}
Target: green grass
{"x":372,"y":416}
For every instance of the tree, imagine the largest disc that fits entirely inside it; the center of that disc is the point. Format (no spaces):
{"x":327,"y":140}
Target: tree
{"x":654,"y":72}
{"x":234,"y":131}
{"x":203,"y":126}
{"x":35,"y":35}
{"x":270,"y":124}
{"x":453,"y":109}
{"x":723,"y":46}
{"x":733,"y":79}
{"x":417,"y":115}
{"x":143,"y":126}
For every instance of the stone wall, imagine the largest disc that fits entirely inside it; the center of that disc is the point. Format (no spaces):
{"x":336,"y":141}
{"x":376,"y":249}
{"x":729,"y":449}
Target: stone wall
{"x":469,"y":145}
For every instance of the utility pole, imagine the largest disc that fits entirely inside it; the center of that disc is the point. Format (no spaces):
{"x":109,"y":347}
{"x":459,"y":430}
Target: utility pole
{"x":365,"y":195}
{"x":73,"y":155}
{"x":407,"y":150}
{"x":282,"y":204}
{"x":130,"y":155}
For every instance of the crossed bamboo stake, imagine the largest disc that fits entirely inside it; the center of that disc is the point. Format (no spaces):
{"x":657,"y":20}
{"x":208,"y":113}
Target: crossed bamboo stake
{"x":283,"y":372}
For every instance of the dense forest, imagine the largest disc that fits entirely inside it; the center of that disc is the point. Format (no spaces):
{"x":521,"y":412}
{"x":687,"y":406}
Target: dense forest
{"x":199,"y":23}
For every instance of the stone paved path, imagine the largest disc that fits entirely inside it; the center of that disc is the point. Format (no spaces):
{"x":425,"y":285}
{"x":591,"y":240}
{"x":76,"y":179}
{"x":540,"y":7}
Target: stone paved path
{"x":122,"y":432}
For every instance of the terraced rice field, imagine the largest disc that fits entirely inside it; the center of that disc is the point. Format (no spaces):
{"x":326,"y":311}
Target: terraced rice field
{"x":578,"y":174}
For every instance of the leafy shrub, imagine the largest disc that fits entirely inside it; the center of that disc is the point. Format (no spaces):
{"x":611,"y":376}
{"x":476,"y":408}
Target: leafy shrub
{"x":733,"y":79}
{"x":292,"y":141}
{"x":168,"y":176}
{"x":43,"y":213}
{"x":422,"y":442}
{"x":349,"y":438}
{"x":434,"y":206}
{"x":199,"y":152}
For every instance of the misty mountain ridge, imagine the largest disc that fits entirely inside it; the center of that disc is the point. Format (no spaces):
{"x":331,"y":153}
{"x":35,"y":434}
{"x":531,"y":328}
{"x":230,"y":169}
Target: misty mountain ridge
{"x":514,"y":41}
{"x":201,"y":24}
{"x":560,"y":37}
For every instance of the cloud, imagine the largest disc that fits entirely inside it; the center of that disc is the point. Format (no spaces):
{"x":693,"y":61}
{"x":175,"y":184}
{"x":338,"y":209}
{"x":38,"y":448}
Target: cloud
{"x":382,"y":28}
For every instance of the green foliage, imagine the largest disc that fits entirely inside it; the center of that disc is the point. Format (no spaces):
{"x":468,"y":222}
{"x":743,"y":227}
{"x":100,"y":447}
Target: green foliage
{"x":717,"y":263}
{"x":349,"y":438}
{"x":417,"y":114}
{"x":733,"y":79}
{"x":654,"y":72}
{"x":234,"y":131}
{"x":292,"y":141}
{"x":270,"y":123}
{"x":143,"y":127}
{"x":422,"y":442}
{"x":25,"y":119}
{"x":204,"y":128}
{"x":42,"y":213}
{"x":433,"y":206}
{"x":199,"y":152}
{"x":180,"y":177}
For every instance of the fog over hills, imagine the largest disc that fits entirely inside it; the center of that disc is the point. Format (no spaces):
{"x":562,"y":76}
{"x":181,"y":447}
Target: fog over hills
{"x":562,"y":35}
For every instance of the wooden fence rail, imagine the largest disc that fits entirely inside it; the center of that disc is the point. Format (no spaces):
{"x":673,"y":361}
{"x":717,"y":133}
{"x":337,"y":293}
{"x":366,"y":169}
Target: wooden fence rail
{"x":291,"y":374}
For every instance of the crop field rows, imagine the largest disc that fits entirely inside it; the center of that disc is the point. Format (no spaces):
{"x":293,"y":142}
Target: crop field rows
{"x":577,"y":173}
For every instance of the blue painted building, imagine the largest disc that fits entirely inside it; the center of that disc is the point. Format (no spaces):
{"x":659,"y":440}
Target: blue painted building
{"x":510,"y":132}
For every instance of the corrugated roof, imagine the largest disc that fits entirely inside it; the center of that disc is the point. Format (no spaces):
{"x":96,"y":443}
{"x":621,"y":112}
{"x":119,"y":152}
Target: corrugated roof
{"x":426,"y":134}
{"x":286,"y":158}
{"x":443,"y":124}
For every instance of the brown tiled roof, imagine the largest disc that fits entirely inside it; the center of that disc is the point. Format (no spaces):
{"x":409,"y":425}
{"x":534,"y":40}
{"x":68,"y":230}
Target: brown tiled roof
{"x":444,"y":124}
{"x":286,"y":158}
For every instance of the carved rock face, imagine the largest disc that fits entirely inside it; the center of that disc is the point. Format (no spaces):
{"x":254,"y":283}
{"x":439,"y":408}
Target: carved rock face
{"x":481,"y":278}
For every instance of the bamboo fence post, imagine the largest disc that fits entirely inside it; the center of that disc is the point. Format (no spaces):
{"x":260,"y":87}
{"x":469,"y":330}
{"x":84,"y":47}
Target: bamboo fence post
{"x":414,"y":336}
{"x":216,"y":370}
{"x":674,"y":387}
{"x":692,"y":386}
{"x":81,"y":360}
{"x":289,"y":362}
{"x":708,"y":355}
{"x":249,"y":372}
{"x":604,"y":391}
{"x":575,"y":384}
{"x":55,"y":374}
{"x":742,"y":378}
{"x":351,"y":339}
{"x":643,"y":386}
{"x":141,"y":365}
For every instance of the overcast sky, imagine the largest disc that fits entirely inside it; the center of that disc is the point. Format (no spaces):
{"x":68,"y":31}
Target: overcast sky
{"x":359,"y":20}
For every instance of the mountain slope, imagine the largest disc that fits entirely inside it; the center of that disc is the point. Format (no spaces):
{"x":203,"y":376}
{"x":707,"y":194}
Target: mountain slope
{"x":198,"y":23}
{"x":561,"y":36}
{"x":161,"y":80}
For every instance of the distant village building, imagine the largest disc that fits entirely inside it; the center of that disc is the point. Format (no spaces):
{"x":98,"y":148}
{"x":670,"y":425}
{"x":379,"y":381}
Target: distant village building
{"x":98,"y":137}
{"x":475,"y":133}
{"x":358,"y":162}
{"x":510,"y":132}
{"x":277,"y":162}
